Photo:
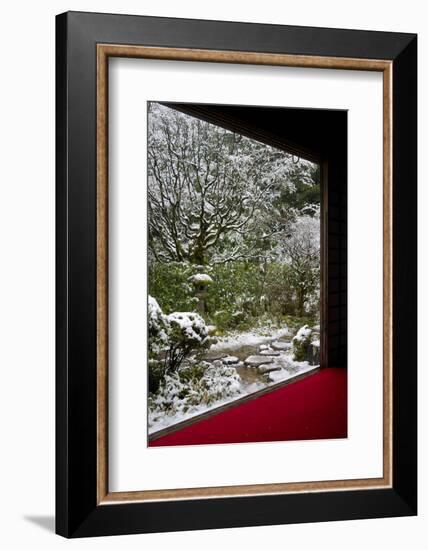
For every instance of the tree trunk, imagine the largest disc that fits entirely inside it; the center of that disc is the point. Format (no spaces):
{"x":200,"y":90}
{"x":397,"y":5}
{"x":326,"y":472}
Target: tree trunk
{"x":301,"y":302}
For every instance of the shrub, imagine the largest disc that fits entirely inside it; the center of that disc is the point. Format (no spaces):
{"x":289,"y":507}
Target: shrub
{"x":158,"y":328}
{"x":157,"y":372}
{"x":187,"y":333}
{"x":170,"y":284}
{"x":232,"y":296}
{"x":279,"y":295}
{"x":306,"y":345}
{"x":172,"y":338}
{"x":301,"y":342}
{"x":237,"y":288}
{"x":192,"y":387}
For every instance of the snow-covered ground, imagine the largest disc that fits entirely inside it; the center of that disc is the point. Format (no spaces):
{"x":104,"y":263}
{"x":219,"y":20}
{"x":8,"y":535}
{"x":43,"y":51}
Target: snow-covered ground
{"x":260,"y":358}
{"x":251,"y":338}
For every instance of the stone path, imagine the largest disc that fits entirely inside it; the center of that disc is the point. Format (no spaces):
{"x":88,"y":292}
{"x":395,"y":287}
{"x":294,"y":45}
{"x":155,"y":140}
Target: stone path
{"x":254,"y":363}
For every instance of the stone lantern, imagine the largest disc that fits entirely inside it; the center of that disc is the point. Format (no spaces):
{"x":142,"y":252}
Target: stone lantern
{"x":201,"y":282}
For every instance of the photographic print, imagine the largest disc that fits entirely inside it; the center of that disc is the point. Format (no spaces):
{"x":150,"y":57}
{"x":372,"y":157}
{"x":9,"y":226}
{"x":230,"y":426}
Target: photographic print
{"x":236,"y":259}
{"x":234,"y":284}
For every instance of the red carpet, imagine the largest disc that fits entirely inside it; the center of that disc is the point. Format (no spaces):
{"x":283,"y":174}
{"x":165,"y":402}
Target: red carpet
{"x":312,"y":408}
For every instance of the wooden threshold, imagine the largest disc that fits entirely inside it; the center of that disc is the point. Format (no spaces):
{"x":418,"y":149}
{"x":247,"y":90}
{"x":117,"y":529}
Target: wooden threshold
{"x":241,"y":400}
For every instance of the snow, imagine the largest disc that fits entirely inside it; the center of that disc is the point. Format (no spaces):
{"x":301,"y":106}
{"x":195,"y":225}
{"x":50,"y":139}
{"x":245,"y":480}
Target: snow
{"x":268,"y":368}
{"x":158,"y":326}
{"x":201,"y":278}
{"x":303,"y":333}
{"x":226,"y":205}
{"x":180,"y":400}
{"x":191,"y":324}
{"x":247,"y":171}
{"x":221,"y":384}
{"x":251,"y":338}
{"x":316,"y":343}
{"x":159,"y":420}
{"x":269,"y":352}
{"x":230,"y":360}
{"x":154,"y":306}
{"x":283,"y":374}
{"x":256,"y":360}
{"x":280,"y":346}
{"x":156,"y":317}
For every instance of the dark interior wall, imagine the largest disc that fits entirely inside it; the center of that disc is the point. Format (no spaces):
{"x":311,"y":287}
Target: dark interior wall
{"x":337,"y":248}
{"x":319,"y":135}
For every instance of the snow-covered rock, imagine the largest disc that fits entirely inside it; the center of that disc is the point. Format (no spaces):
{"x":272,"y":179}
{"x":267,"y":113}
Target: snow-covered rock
{"x":230,"y":360}
{"x":257,"y":360}
{"x":270,"y":353}
{"x":278,"y":376}
{"x":281,"y":346}
{"x":301,"y":343}
{"x":306,"y":345}
{"x":263,"y":369}
{"x":303,"y":333}
{"x":313,"y":353}
{"x":255,"y":337}
{"x":264,"y":347}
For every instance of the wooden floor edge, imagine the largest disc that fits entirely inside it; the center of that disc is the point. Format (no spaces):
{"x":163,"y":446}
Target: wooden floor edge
{"x":226,"y":406}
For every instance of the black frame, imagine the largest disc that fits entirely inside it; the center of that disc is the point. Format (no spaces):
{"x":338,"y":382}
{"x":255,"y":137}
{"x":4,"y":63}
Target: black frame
{"x":77,"y":513}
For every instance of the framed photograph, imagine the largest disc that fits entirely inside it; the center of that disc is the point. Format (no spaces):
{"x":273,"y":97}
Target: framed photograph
{"x":236,"y":274}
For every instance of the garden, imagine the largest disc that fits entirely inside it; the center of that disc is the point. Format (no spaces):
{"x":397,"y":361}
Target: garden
{"x":234,"y":266}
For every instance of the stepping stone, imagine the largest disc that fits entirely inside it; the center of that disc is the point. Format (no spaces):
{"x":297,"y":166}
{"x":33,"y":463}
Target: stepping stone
{"x":257,"y":360}
{"x":281,"y":346}
{"x":269,"y":353}
{"x":263,"y":347}
{"x":230,"y":360}
{"x":268,"y":368}
{"x":214,"y":356}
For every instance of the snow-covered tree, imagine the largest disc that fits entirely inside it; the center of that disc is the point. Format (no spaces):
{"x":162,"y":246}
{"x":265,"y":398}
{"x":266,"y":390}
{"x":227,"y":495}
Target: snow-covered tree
{"x":300,"y":249}
{"x":213,"y":195}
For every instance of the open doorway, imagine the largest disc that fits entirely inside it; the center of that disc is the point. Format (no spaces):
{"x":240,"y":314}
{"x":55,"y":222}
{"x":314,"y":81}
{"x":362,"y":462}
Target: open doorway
{"x":238,"y":264}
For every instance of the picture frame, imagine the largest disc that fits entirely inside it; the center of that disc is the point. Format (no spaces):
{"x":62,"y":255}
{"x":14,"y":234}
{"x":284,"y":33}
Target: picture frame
{"x":84,"y":44}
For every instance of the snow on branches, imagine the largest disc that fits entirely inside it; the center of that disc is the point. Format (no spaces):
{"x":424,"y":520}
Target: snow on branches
{"x":212,"y":192}
{"x":300,"y":249}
